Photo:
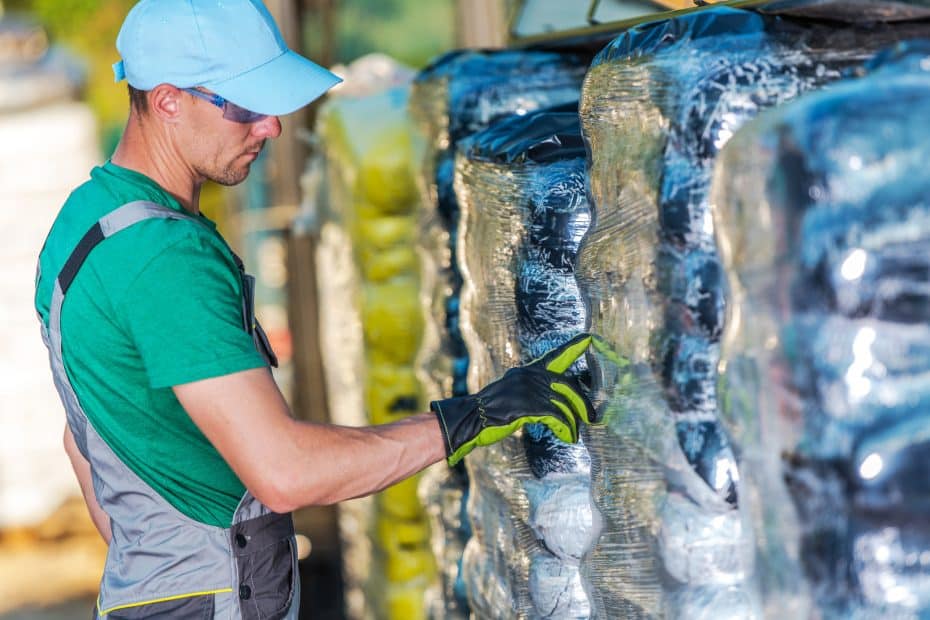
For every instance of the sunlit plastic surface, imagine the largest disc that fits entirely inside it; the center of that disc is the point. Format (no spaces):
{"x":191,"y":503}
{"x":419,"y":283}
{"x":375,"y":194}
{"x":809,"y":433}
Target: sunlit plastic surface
{"x":459,"y":94}
{"x":524,"y":210}
{"x":658,"y":104}
{"x":824,"y":224}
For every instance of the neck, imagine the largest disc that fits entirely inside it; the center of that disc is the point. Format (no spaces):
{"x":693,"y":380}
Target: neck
{"x":147,"y":149}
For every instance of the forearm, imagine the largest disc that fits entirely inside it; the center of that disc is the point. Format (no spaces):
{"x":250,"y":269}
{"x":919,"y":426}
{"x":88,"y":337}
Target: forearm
{"x":328,"y":463}
{"x":286,"y":463}
{"x":82,"y":470}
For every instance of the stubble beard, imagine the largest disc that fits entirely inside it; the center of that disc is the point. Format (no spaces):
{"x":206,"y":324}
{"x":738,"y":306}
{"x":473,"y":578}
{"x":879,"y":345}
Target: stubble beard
{"x":228,"y":175}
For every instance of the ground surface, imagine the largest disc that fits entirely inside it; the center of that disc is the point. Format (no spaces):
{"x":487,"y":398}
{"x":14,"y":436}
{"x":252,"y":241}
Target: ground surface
{"x":50,"y":571}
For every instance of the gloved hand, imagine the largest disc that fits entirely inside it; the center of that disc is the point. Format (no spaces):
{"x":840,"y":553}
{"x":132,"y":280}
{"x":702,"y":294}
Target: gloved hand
{"x":537,"y":392}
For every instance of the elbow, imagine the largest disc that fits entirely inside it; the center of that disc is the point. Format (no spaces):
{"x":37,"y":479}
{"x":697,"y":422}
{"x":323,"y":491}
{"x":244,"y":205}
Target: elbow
{"x":276,"y":497}
{"x":281,"y":497}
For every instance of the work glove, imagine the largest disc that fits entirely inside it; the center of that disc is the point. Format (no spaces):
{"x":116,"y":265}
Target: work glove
{"x":538,"y":392}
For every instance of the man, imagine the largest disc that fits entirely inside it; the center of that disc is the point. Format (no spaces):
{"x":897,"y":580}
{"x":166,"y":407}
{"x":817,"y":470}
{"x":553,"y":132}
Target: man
{"x":182,"y":443}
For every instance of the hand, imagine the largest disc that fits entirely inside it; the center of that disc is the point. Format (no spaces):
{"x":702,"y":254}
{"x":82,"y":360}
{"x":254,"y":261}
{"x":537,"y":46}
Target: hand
{"x":537,"y":392}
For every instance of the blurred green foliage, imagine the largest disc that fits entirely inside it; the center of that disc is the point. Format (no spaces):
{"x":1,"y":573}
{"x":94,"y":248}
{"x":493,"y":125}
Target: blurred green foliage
{"x":411,"y":31}
{"x":89,"y":28}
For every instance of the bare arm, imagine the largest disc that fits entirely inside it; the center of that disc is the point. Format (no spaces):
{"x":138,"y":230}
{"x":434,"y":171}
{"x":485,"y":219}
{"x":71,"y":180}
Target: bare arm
{"x":286,"y":463}
{"x":82,"y":471}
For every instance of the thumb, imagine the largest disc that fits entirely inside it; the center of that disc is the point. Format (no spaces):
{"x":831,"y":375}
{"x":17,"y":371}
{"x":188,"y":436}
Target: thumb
{"x":560,"y":358}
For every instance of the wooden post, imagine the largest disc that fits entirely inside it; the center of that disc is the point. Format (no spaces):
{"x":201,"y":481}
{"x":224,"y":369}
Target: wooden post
{"x":481,"y":23}
{"x":321,"y":572}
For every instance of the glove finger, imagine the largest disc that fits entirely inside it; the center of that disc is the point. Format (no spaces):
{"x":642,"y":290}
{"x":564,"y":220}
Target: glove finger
{"x":559,"y":359}
{"x":603,"y":347}
{"x":566,"y":430}
{"x":580,"y":404}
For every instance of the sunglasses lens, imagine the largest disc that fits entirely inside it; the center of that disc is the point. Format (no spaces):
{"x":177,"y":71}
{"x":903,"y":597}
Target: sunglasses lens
{"x":234,"y":113}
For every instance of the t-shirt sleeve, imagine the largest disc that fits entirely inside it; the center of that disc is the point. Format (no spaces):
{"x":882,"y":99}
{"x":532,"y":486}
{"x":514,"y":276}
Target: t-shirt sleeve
{"x":184,"y":314}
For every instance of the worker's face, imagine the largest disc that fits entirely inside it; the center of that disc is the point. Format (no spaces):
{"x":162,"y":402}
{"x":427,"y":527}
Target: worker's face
{"x":223,"y":150}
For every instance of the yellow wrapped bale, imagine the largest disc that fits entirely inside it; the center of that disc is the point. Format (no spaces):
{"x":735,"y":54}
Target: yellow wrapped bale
{"x":401,"y":501}
{"x":407,"y":564}
{"x":383,"y":265}
{"x":386,"y":177}
{"x":372,"y":158}
{"x":392,"y":320}
{"x":396,"y":534}
{"x":406,"y":550}
{"x":385,"y":246}
{"x":381,"y":233}
{"x":405,"y":601}
{"x":391,"y":392}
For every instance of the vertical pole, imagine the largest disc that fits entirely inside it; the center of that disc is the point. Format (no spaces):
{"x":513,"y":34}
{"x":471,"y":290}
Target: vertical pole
{"x":481,"y":23}
{"x":321,"y":572}
{"x":287,"y":154}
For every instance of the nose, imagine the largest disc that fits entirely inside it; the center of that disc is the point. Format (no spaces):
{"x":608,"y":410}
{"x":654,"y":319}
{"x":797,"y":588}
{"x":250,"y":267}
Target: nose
{"x":268,"y":127}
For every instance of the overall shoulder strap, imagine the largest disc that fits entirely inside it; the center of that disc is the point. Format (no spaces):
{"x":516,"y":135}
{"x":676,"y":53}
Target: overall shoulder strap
{"x":119,"y":219}
{"x":113,"y":222}
{"x":110,"y":224}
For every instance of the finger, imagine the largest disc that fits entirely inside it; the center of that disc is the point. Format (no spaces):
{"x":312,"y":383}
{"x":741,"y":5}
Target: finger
{"x":567,"y":431}
{"x":559,"y":359}
{"x":603,"y":347}
{"x":580,"y":404}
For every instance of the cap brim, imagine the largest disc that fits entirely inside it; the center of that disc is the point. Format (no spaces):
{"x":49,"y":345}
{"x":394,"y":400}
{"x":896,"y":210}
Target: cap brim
{"x":280,"y":86}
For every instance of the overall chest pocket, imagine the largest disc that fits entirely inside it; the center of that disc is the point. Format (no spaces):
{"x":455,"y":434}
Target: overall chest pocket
{"x":266,"y":563}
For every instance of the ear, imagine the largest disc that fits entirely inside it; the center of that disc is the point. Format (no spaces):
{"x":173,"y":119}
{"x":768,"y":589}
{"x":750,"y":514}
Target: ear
{"x":165,"y":102}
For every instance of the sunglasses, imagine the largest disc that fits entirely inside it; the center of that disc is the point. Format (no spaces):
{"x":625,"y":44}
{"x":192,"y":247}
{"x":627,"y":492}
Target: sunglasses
{"x":231,"y":111}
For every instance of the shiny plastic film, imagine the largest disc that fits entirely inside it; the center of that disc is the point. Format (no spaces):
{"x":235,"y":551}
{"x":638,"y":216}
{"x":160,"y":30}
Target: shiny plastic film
{"x":458,"y":94}
{"x":657,"y":106}
{"x":444,"y":492}
{"x":856,"y":11}
{"x":371,"y":157}
{"x":823,"y":214}
{"x":522,"y":191}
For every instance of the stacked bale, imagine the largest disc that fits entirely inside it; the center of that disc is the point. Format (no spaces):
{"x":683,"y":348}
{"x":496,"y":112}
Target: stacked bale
{"x":522,"y":192}
{"x":370,"y":160}
{"x":460,"y":93}
{"x":657,"y":106}
{"x":824,"y":226}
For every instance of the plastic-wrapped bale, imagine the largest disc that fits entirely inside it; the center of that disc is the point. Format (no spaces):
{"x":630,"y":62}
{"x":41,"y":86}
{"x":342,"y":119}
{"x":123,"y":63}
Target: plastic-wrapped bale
{"x":852,"y":10}
{"x":823,"y":216}
{"x":658,"y":104}
{"x":444,"y":492}
{"x":460,"y":93}
{"x":495,"y":564}
{"x":466,"y":90}
{"x":371,"y":158}
{"x":524,"y":209}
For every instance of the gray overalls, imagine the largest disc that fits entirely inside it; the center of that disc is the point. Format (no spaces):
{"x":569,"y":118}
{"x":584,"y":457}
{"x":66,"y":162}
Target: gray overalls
{"x":160,"y":563}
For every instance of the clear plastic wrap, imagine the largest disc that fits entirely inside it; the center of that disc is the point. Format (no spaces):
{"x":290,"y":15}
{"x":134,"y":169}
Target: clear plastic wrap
{"x":524,"y":210}
{"x":460,"y":93}
{"x":852,"y":10}
{"x":657,"y":106}
{"x":444,"y":492}
{"x":822,"y":214}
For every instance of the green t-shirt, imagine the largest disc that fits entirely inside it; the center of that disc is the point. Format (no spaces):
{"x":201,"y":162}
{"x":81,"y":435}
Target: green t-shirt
{"x":158,"y":304}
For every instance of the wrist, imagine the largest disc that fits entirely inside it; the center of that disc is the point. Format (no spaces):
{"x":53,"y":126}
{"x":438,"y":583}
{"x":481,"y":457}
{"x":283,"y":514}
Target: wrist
{"x":453,"y":416}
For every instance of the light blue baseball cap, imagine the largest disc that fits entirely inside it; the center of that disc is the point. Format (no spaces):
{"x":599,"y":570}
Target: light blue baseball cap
{"x":231,"y":47}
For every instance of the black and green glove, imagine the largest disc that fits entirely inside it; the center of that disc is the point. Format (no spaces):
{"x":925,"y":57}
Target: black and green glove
{"x":537,"y":392}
